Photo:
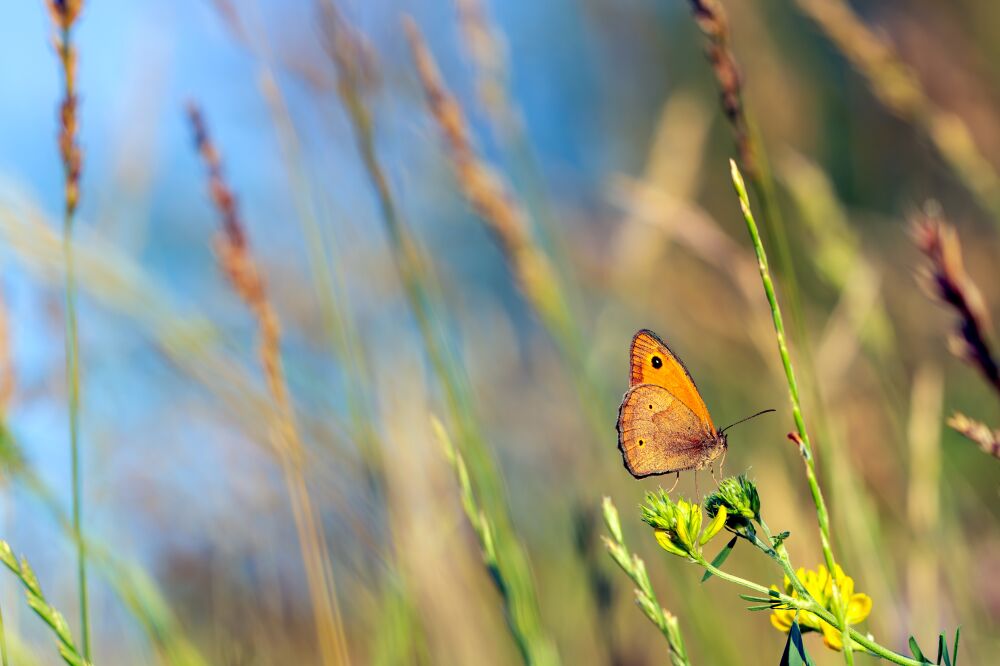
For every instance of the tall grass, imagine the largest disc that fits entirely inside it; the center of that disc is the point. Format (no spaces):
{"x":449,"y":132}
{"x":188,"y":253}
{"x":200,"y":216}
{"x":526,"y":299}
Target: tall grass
{"x":244,"y":276}
{"x":64,"y":17}
{"x":414,"y":274}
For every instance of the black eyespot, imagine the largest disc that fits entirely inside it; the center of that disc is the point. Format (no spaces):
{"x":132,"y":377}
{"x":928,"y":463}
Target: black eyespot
{"x":657,"y":362}
{"x":641,"y":442}
{"x":650,"y":406}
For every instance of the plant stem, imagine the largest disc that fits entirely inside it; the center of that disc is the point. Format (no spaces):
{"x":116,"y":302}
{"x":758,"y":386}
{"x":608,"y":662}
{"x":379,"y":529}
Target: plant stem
{"x":822,"y":515}
{"x":3,"y":642}
{"x":813,"y":607}
{"x":71,"y":169}
{"x":73,"y":380}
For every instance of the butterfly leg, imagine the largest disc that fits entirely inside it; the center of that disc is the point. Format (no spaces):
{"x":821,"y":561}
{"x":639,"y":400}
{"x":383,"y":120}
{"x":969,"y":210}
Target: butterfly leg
{"x":722,"y":462}
{"x":676,"y":481}
{"x":696,"y":483}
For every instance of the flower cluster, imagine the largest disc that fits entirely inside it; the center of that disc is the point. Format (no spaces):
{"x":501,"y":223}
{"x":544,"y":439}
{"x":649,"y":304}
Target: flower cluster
{"x":738,"y":496}
{"x":678,"y":526}
{"x":855,"y":606}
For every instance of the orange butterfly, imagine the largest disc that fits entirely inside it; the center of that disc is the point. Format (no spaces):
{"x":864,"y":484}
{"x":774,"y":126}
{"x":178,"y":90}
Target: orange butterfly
{"x":663,"y":423}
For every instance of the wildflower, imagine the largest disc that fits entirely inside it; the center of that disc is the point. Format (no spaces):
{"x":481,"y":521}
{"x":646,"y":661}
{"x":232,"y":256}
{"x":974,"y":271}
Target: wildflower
{"x":819,"y":584}
{"x":677,"y":526}
{"x":738,"y":495}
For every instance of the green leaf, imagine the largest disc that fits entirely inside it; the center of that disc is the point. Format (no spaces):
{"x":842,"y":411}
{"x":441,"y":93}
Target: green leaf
{"x":721,"y":557}
{"x":795,"y":651}
{"x":954,"y":654}
{"x":779,"y":539}
{"x":942,"y":656}
{"x":915,"y":651}
{"x":760,"y":607}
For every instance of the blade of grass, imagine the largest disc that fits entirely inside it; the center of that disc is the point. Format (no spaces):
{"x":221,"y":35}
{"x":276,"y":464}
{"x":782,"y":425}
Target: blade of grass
{"x":802,"y":438}
{"x":897,"y":87}
{"x":645,"y":597}
{"x":417,"y":284}
{"x":236,"y":261}
{"x":33,"y":591}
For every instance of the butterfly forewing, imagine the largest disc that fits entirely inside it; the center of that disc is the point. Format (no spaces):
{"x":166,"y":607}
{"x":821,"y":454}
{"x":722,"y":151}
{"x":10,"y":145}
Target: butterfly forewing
{"x":652,"y":362}
{"x":658,"y":433}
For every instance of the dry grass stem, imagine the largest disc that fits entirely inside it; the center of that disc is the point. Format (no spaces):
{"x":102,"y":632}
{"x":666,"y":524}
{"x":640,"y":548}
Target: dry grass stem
{"x":946,"y":280}
{"x":487,"y":53}
{"x":714,"y":24}
{"x":981,"y":434}
{"x":240,"y":268}
{"x":489,"y":195}
{"x":899,"y":89}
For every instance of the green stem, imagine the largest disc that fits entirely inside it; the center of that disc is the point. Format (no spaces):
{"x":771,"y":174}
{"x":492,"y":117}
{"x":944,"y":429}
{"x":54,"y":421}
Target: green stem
{"x":73,"y":357}
{"x":3,"y":642}
{"x":813,"y":607}
{"x":73,"y":380}
{"x":780,"y":555}
{"x":822,"y":515}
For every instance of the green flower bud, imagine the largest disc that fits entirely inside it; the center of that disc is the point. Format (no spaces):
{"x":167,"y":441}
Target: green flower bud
{"x":738,"y":495}
{"x":659,"y":511}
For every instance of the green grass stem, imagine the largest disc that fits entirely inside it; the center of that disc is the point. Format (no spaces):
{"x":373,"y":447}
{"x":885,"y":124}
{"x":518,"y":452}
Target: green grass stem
{"x":805,"y":449}
{"x":645,"y":597}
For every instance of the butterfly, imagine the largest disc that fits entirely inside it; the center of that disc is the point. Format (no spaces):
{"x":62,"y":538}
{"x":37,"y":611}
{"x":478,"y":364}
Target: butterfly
{"x":663,"y":423}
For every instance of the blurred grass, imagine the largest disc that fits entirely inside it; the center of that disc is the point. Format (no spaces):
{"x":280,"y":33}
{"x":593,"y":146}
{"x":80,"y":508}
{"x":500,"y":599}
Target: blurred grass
{"x":597,"y":125}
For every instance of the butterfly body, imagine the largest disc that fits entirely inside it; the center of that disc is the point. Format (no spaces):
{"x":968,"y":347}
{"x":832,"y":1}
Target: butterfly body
{"x":663,"y":423}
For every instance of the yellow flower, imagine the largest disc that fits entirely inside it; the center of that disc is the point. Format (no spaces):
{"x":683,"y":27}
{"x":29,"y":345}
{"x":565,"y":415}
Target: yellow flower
{"x":819,"y":584}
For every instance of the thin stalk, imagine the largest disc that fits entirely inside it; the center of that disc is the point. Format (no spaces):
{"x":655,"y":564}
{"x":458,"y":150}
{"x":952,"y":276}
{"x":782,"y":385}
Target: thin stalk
{"x":73,"y":380}
{"x":811,"y":606}
{"x":645,"y":597}
{"x":802,"y":439}
{"x":417,"y":282}
{"x":64,"y":16}
{"x":3,"y":642}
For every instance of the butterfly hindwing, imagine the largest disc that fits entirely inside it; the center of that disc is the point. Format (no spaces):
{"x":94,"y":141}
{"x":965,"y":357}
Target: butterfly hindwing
{"x":652,"y":362}
{"x":658,"y":433}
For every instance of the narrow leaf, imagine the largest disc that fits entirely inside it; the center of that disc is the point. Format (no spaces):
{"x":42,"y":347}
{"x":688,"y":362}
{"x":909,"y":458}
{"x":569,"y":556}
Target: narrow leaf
{"x":915,"y":651}
{"x":720,"y":558}
{"x":795,"y":651}
{"x":750,"y":597}
{"x":954,"y":654}
{"x":942,"y":655}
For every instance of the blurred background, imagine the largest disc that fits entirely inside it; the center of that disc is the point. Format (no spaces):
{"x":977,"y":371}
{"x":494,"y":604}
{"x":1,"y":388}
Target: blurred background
{"x":603,"y":119}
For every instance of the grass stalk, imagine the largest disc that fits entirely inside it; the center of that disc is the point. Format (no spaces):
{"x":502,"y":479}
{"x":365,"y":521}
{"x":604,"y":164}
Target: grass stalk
{"x":645,"y":597}
{"x":802,"y":436}
{"x":487,"y":536}
{"x":234,"y":257}
{"x":64,"y":16}
{"x":134,"y":587}
{"x":33,"y":591}
{"x":509,"y":223}
{"x":897,"y":87}
{"x":712,"y":20}
{"x":416,"y":280}
{"x":3,"y":642}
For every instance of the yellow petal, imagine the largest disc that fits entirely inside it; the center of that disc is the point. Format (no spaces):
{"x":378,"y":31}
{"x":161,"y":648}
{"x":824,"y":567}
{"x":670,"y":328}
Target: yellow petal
{"x":715,"y":526}
{"x":695,"y":523}
{"x":682,"y":529}
{"x":807,"y":619}
{"x":663,"y":538}
{"x":782,"y":620}
{"x":858,"y":608}
{"x":832,"y":636}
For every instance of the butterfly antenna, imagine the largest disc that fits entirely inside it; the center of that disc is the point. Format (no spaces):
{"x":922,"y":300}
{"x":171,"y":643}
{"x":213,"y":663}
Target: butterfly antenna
{"x":766,"y":411}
